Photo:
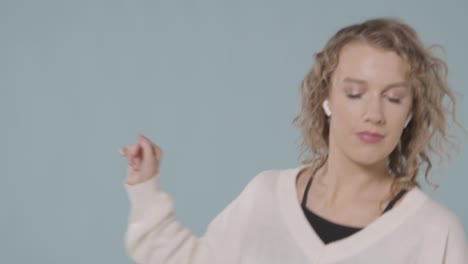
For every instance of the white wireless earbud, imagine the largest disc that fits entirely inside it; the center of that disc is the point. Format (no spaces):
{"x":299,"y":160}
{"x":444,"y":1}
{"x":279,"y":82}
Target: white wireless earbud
{"x":326,"y":108}
{"x":408,"y":120}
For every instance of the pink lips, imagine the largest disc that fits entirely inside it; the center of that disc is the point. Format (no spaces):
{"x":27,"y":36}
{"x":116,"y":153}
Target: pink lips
{"x":370,"y":137}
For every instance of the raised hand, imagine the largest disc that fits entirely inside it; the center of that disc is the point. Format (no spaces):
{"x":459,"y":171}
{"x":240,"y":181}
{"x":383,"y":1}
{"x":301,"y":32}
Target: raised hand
{"x":143,"y":159}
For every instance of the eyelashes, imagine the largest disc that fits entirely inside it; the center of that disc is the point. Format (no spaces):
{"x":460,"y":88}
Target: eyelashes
{"x":354,"y":96}
{"x":390,"y":99}
{"x":394,"y":100}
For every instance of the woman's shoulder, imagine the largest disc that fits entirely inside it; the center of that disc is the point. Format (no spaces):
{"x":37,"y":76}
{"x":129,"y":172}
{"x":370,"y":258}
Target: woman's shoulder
{"x":438,"y":219}
{"x":438,"y":215}
{"x":271,"y":177}
{"x":261,"y":188}
{"x":267,"y":181}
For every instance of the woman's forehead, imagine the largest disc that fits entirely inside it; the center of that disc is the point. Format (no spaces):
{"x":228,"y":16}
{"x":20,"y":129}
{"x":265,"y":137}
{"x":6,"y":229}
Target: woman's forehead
{"x":361,"y":61}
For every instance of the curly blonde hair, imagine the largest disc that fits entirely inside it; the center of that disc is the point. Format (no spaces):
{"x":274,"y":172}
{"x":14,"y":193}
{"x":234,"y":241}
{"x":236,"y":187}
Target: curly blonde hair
{"x":425,"y":134}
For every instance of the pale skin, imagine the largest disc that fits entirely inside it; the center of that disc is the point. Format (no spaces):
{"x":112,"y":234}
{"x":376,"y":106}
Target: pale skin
{"x":369,"y":92}
{"x":143,"y":158}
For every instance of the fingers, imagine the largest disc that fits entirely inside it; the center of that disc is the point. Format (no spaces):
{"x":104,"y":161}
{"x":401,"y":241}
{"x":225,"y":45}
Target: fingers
{"x":144,"y":145}
{"x":134,"y":149}
{"x":157,"y":150}
{"x":122,"y":151}
{"x":129,"y":151}
{"x":132,"y":153}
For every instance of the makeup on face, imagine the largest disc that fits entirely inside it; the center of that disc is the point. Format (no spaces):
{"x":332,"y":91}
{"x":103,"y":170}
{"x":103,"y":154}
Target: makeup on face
{"x":370,"y":137}
{"x":355,"y":89}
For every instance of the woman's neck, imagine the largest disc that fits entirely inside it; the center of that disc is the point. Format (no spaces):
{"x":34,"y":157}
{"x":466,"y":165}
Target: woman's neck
{"x":342,"y":179}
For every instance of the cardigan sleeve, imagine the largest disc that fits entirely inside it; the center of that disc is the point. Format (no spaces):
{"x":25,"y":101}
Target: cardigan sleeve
{"x":456,"y":251}
{"x":154,"y":235}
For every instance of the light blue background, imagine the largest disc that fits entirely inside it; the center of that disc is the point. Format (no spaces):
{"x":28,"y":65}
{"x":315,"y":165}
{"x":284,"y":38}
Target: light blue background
{"x":214,"y":83}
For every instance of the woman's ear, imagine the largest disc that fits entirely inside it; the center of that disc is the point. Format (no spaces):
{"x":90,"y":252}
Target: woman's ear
{"x":408,"y":120}
{"x":326,"y":107}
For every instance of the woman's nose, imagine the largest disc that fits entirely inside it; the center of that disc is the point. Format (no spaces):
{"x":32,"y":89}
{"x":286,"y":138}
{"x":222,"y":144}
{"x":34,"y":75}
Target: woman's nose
{"x":374,"y":112}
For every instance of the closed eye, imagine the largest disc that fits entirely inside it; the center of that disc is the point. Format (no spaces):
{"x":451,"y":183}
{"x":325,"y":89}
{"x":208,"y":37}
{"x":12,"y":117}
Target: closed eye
{"x":354,"y":96}
{"x":394,"y":100}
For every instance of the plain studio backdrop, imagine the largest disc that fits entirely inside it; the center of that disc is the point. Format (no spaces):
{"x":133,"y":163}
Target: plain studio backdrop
{"x":214,"y":83}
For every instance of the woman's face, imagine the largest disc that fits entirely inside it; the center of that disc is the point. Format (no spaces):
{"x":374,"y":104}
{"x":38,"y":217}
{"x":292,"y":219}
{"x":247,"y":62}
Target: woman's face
{"x":370,"y":103}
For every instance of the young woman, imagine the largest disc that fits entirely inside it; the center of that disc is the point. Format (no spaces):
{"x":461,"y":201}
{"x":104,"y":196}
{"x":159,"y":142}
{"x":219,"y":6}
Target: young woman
{"x":372,"y":114}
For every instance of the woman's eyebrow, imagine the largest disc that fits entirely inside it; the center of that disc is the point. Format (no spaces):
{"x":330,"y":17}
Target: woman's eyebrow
{"x":364,"y":83}
{"x":357,"y":81}
{"x":398,"y":84}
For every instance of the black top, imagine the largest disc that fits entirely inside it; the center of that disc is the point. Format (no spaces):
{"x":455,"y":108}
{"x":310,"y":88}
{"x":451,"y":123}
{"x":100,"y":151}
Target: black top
{"x":329,"y":231}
